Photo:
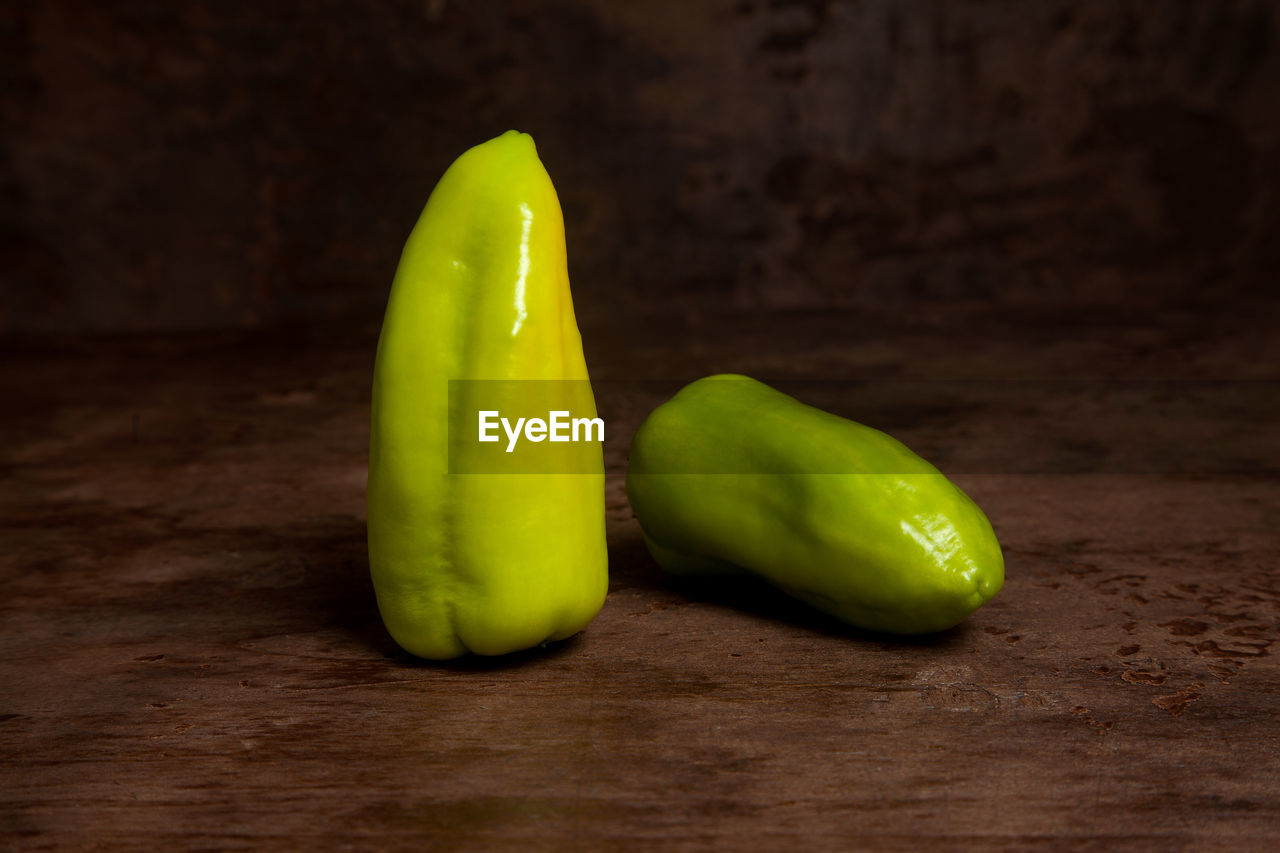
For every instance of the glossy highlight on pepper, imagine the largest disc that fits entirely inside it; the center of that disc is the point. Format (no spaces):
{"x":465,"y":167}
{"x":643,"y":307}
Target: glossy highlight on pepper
{"x":731,"y":476}
{"x":494,"y":562}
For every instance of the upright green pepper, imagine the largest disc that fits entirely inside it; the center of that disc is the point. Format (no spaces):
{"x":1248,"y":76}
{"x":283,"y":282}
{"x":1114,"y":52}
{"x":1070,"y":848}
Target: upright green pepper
{"x":482,"y":562}
{"x":732,"y":476}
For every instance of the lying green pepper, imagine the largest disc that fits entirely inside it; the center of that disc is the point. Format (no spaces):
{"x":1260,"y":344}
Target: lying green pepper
{"x":490,"y":562}
{"x":731,"y":476}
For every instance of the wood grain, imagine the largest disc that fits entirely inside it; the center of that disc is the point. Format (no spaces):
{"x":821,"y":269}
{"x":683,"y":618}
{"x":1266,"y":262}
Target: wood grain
{"x":191,"y":657}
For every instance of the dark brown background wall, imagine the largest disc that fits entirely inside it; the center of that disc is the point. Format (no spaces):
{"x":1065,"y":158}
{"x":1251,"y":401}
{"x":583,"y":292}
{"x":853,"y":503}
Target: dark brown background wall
{"x":244,"y":164}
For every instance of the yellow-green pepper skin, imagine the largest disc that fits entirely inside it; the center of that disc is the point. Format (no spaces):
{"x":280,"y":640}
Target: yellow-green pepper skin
{"x":463,"y":562}
{"x":731,"y":475}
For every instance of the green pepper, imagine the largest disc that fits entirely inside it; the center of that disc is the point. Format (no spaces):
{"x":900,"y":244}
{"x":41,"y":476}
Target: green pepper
{"x":732,"y":476}
{"x":482,"y":562}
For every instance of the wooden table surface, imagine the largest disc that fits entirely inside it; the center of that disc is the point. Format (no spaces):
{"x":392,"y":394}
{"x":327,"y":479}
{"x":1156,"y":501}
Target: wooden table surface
{"x":190,"y":654}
